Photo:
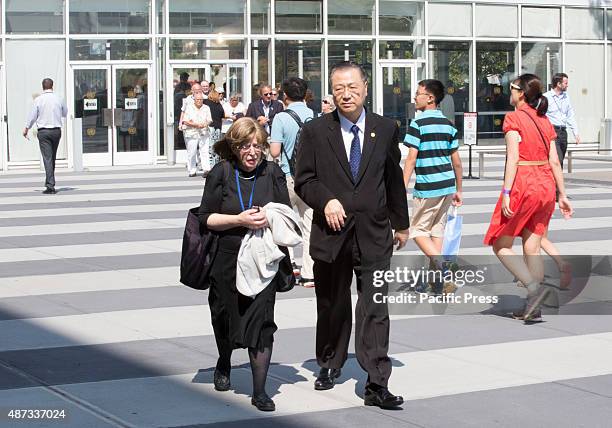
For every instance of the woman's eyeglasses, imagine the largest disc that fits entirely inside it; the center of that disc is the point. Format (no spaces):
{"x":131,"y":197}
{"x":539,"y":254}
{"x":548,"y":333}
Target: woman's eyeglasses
{"x":246,"y":147}
{"x":325,"y":102}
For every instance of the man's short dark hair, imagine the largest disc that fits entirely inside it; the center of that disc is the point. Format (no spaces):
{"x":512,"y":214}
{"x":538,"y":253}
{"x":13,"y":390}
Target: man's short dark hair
{"x":295,"y":88}
{"x":184,"y":76}
{"x":47,"y":84}
{"x":558,"y":78}
{"x":434,"y":87}
{"x":345,"y":65}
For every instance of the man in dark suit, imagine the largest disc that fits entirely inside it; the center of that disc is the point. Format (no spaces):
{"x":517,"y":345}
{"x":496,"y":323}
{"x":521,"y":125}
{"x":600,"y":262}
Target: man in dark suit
{"x":264,"y":109}
{"x":348,"y":172}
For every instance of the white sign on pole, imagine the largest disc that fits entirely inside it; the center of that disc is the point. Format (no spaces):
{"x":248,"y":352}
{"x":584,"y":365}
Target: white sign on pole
{"x":90,"y":104}
{"x":469,"y":128}
{"x":131,"y":103}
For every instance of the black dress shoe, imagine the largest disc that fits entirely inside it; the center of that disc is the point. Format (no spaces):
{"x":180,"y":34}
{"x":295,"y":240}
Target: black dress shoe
{"x":222,"y":381}
{"x":263,"y":403}
{"x":49,"y":191}
{"x":382,"y":398}
{"x":327,"y":379}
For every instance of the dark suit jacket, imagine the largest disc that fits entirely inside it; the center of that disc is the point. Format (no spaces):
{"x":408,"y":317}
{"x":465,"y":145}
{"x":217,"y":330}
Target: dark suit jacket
{"x":255,"y":110}
{"x":374,"y":205}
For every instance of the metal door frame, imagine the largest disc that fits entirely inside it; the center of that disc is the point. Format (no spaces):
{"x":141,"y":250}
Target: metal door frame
{"x":411,"y":64}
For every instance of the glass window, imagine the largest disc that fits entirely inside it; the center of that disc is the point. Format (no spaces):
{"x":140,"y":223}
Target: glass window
{"x":541,"y":59}
{"x":496,"y":21}
{"x":206,"y":49}
{"x":260,"y":55}
{"x":301,"y":58}
{"x":359,"y":52}
{"x":109,"y":16}
{"x":35,"y":16}
{"x":495,"y":70}
{"x":350,"y":16}
{"x":609,"y":24}
{"x":412,"y":49}
{"x":133,"y":49}
{"x":87,"y":50}
{"x":95,"y":49}
{"x":585,"y":24}
{"x":400,"y":17}
{"x":298,"y":16}
{"x":160,"y":16}
{"x":541,"y":22}
{"x":449,"y":62}
{"x":260,"y":16}
{"x":206,"y":17}
{"x":585,"y":67}
{"x":446,"y":19}
{"x":609,"y":96}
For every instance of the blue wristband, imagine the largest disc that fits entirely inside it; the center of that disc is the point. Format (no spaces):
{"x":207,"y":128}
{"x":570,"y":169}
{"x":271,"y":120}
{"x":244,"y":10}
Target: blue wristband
{"x":506,"y":192}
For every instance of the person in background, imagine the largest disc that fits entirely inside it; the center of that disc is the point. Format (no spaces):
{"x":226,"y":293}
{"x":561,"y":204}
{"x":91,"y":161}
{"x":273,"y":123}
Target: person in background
{"x":227,"y":209}
{"x":196,"y":121}
{"x":561,"y":114}
{"x":310,"y":102}
{"x":216,"y":109}
{"x":433,"y":153}
{"x":205,"y":84}
{"x":196,"y":89}
{"x":234,"y":109}
{"x":327,"y":104}
{"x":47,"y":113}
{"x":264,"y":109}
{"x":447,"y":107}
{"x":282,"y":143}
{"x":527,"y":199}
{"x":274,"y":96}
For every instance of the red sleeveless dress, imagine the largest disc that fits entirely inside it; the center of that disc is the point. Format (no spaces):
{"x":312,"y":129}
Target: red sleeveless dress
{"x":532,"y":197}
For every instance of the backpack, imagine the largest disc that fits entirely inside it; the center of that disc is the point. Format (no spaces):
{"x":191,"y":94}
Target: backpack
{"x":291,"y":160}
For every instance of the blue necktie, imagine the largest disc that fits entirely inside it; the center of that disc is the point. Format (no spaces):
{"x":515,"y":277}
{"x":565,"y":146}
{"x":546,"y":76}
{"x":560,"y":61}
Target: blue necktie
{"x":355,"y":158}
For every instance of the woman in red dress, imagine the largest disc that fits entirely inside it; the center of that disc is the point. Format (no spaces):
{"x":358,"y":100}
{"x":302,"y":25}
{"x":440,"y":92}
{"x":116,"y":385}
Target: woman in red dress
{"x":527,"y":202}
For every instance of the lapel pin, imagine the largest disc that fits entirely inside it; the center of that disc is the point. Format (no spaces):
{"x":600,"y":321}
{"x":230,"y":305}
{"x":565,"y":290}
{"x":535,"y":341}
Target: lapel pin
{"x":372,"y":135}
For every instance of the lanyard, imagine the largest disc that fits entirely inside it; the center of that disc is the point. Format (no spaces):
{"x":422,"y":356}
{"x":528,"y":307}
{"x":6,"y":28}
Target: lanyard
{"x":240,"y":192}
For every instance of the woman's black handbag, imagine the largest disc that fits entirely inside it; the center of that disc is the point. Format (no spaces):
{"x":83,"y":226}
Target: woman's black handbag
{"x":199,"y":250}
{"x":285,"y":280}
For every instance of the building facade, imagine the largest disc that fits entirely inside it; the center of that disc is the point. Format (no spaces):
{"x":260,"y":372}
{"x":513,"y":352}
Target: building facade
{"x":119,"y":63}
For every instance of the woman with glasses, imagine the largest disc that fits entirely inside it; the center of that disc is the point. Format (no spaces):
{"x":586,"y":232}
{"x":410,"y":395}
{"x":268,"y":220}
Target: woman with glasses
{"x":235,"y":190}
{"x":327,"y":104}
{"x":527,"y":200}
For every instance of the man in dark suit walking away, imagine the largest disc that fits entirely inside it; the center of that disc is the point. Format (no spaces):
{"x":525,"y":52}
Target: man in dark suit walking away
{"x":348,"y":172}
{"x":264,"y":109}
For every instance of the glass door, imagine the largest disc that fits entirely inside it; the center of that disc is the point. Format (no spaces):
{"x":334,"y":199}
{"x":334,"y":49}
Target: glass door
{"x":91,"y":105}
{"x":131,"y":115}
{"x":396,"y":85}
{"x":113,"y":105}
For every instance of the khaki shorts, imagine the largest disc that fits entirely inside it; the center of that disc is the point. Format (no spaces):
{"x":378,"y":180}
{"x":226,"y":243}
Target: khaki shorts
{"x":429,"y":216}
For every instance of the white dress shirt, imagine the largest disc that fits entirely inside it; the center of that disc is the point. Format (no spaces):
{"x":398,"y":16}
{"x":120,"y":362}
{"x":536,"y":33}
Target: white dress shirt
{"x":347,"y":134}
{"x":47,"y":111}
{"x":560,"y":111}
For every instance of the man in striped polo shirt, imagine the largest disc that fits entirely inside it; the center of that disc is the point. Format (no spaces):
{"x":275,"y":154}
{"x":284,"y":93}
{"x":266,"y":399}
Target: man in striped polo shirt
{"x":432,"y":143}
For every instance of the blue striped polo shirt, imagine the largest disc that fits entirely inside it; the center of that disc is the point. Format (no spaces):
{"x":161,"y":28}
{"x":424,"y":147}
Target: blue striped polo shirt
{"x":434,"y":136}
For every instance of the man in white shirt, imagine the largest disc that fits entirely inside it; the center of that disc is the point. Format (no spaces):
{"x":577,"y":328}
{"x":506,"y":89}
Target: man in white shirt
{"x":561,"y":113}
{"x":47,"y":112}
